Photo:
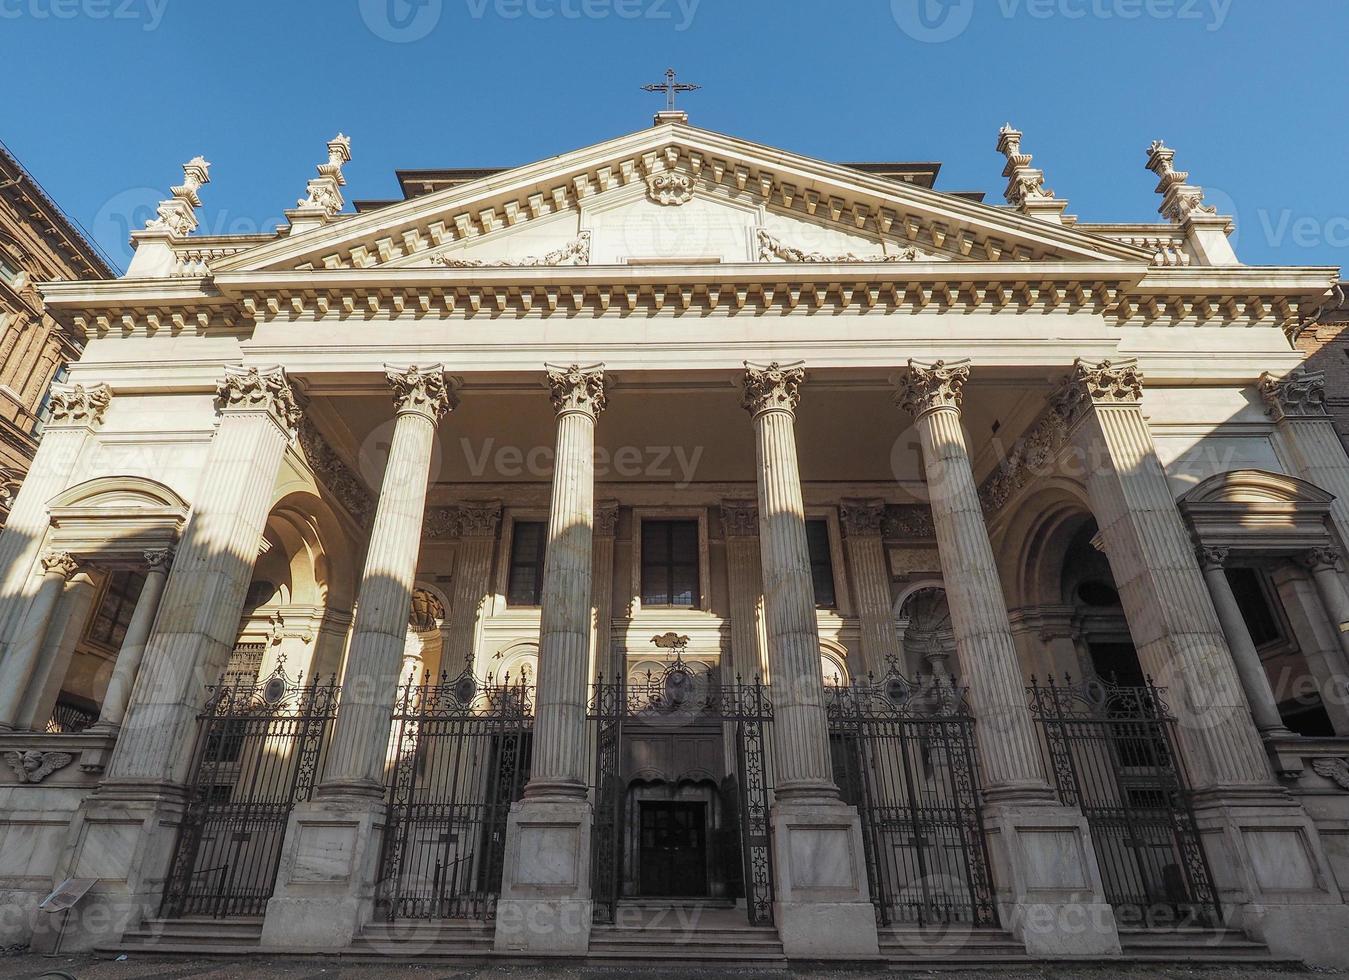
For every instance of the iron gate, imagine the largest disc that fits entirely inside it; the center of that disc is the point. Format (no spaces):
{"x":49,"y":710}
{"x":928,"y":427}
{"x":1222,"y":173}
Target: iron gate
{"x":904,"y":756}
{"x":1113,"y":754}
{"x":258,"y":754}
{"x":462,"y":753}
{"x":684,"y":698}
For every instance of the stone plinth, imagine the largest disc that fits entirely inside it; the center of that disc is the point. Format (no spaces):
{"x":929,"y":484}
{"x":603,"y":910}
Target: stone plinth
{"x":545,"y":904}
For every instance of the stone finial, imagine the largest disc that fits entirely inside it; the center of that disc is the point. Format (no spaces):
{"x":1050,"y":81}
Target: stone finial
{"x":1026,"y":190}
{"x":422,"y":389}
{"x":78,"y":404}
{"x":323,"y":198}
{"x":1180,"y":199}
{"x":772,"y":387}
{"x":267,"y":389}
{"x":1107,"y":383}
{"x":929,"y":387}
{"x":178,"y":214}
{"x":577,"y":389}
{"x":1301,"y":394}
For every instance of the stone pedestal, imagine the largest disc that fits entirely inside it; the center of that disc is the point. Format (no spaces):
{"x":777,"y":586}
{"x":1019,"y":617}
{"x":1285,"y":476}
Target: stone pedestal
{"x":325,"y":892}
{"x":823,"y":899}
{"x":545,"y":905}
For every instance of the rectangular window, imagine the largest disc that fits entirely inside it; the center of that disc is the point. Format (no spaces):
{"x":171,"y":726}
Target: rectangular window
{"x":821,"y":564}
{"x":113,"y":616}
{"x":9,"y":271}
{"x":670,"y":564}
{"x":529,"y":542}
{"x":1261,"y":619}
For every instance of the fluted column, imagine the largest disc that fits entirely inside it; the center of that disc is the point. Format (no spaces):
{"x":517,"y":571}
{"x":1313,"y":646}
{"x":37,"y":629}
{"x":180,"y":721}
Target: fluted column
{"x":933,"y":394}
{"x":20,"y":664}
{"x":199,"y":613}
{"x":1297,"y":404}
{"x":771,"y":394}
{"x":478,"y":524}
{"x":76,"y":413}
{"x":1254,"y":679}
{"x":129,"y":657}
{"x":602,"y":657}
{"x":564,"y":634}
{"x":744,"y":579}
{"x":1327,"y":569}
{"x":370,"y":682}
{"x":1171,"y":614}
{"x":862,"y":522}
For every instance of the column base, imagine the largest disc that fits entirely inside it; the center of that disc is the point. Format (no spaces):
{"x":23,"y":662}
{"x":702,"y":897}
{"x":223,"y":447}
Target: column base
{"x":1049,"y":890}
{"x":325,"y":887}
{"x":1274,"y":880}
{"x":823,"y":907}
{"x":545,"y":905}
{"x":126,"y":843}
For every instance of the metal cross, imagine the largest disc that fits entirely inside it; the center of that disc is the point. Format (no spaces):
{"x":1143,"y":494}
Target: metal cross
{"x":671,"y":88}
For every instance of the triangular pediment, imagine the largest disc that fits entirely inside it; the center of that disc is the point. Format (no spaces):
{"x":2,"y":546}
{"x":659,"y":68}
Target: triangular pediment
{"x":679,"y":195}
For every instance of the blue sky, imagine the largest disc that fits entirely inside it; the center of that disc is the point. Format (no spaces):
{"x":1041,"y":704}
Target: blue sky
{"x":105,"y":99}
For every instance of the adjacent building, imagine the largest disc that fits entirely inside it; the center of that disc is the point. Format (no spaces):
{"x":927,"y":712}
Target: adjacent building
{"x":676,"y":523}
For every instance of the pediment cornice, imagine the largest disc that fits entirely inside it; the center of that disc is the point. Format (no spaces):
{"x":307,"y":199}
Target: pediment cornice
{"x":715,"y":164}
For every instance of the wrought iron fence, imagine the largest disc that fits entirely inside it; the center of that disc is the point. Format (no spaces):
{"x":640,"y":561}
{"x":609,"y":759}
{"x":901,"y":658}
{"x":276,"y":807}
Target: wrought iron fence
{"x":461,"y":757}
{"x":904,"y":755}
{"x":686,"y":700}
{"x":1113,"y":754}
{"x":258,"y":753}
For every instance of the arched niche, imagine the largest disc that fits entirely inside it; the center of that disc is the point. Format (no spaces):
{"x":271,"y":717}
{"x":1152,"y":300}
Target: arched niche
{"x":927,"y":636}
{"x":834,"y":664}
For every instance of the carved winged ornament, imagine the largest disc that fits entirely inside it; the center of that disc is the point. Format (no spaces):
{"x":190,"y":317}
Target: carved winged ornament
{"x":33,"y":766}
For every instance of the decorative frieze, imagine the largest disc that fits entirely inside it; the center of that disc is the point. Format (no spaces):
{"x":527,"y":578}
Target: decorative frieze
{"x":929,"y":387}
{"x":1300,"y":394}
{"x":577,"y":389}
{"x":333,"y":472}
{"x":422,"y":389}
{"x":78,"y":404}
{"x":772,"y":387}
{"x":1032,"y":455}
{"x":251,"y":389}
{"x":575,"y":252}
{"x":772,"y":249}
{"x":909,"y":521}
{"x":441,"y":522}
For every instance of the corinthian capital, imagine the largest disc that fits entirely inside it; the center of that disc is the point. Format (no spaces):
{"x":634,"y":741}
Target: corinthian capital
{"x":577,"y":389}
{"x":929,"y":387}
{"x":260,"y":390}
{"x":59,"y":563}
{"x":772,"y":387}
{"x":479,"y":520}
{"x":1211,"y":557}
{"x":1107,"y":383}
{"x":421,"y":389}
{"x":740,"y":518}
{"x":862,"y":518}
{"x":1301,"y":394}
{"x":78,"y":404}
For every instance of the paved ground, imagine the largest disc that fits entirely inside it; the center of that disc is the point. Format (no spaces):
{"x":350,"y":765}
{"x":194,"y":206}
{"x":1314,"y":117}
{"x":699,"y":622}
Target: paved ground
{"x":142,"y":967}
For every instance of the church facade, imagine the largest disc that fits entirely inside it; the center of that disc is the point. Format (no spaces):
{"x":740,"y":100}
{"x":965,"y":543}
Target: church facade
{"x":680,"y":523}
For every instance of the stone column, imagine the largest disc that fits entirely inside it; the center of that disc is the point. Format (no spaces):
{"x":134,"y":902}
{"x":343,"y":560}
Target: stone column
{"x":1251,"y":670}
{"x":1009,"y":748}
{"x":478,"y":524}
{"x":1327,"y":569}
{"x":1171,"y":615}
{"x":344,"y":823}
{"x":1250,"y":826}
{"x":76,"y":413}
{"x":1297,"y":404}
{"x":545,"y":904}
{"x":21,"y":661}
{"x":603,"y":659}
{"x":862,"y":522}
{"x":823,"y":903}
{"x":744,"y":577}
{"x":142,"y":796}
{"x":1039,"y":904}
{"x":129,"y":657}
